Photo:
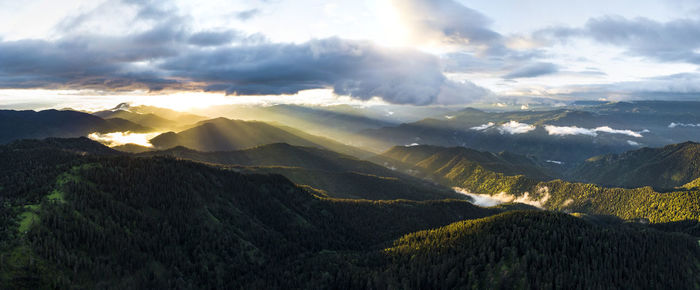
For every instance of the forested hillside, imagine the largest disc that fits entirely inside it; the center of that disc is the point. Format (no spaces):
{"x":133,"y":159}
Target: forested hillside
{"x":662,"y":168}
{"x":471,"y":175}
{"x":80,"y":215}
{"x":338,"y":174}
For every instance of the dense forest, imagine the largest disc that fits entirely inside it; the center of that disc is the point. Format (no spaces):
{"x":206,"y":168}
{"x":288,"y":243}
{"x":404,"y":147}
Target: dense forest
{"x":80,"y":215}
{"x":340,"y":175}
{"x":459,"y":171}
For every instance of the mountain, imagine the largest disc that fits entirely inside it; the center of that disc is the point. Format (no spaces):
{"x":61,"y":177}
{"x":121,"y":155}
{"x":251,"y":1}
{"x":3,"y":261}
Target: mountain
{"x":568,"y":136}
{"x":662,"y":168}
{"x":500,"y":182}
{"x":447,"y":161}
{"x":177,"y":116}
{"x":72,"y":218}
{"x":16,"y":125}
{"x":222,"y":134}
{"x":339,"y":175}
{"x":150,"y":116}
{"x":132,"y":148}
{"x":340,"y":122}
{"x":521,"y":250}
{"x":149,"y":120}
{"x":77,"y":214}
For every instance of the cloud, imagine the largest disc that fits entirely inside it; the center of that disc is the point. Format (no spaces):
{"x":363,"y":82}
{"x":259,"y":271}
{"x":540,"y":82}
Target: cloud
{"x":573,"y":130}
{"x":169,"y":55}
{"x":633,"y":143}
{"x":488,"y":200}
{"x":670,"y":41}
{"x":483,"y":126}
{"x":121,"y":138}
{"x":569,"y":130}
{"x":533,"y":70}
{"x":682,"y":86}
{"x":448,"y":22}
{"x":247,"y":14}
{"x":514,"y":127}
{"x":354,"y":68}
{"x":674,"y":125}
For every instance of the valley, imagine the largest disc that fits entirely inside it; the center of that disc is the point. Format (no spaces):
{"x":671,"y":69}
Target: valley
{"x":286,"y":204}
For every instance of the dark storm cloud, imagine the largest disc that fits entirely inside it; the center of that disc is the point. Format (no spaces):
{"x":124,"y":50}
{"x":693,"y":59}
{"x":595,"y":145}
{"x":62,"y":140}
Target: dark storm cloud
{"x":355,"y":68}
{"x":533,"y":70}
{"x":170,"y":56}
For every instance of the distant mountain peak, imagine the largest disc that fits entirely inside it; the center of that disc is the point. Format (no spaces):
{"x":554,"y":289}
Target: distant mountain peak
{"x":122,"y":107}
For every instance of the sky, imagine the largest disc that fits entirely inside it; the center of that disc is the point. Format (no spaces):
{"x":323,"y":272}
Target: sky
{"x":185,"y":54}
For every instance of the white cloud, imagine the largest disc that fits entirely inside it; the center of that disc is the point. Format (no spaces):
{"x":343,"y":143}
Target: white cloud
{"x":607,"y":129}
{"x":674,"y":125}
{"x":121,"y":138}
{"x":573,"y":130}
{"x":632,"y":143}
{"x":569,"y":130}
{"x":483,"y":126}
{"x":502,"y":197}
{"x":514,"y":127}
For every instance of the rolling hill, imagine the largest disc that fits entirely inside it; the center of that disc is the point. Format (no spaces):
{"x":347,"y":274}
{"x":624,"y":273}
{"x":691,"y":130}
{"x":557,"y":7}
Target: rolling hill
{"x":662,"y":168}
{"x":15,"y":125}
{"x":78,"y":214}
{"x":473,"y":177}
{"x":541,"y":250}
{"x":81,"y":219}
{"x":223,"y":134}
{"x":442,"y":161}
{"x":569,"y":136}
{"x":339,"y":175}
{"x":150,"y":116}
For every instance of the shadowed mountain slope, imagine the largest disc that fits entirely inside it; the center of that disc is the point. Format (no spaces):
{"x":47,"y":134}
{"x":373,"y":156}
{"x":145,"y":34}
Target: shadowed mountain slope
{"x":222,"y":134}
{"x":340,"y":175}
{"x":15,"y":125}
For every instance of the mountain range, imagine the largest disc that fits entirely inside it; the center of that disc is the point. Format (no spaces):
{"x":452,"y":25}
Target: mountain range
{"x":16,"y":125}
{"x":589,"y":196}
{"x":91,"y":217}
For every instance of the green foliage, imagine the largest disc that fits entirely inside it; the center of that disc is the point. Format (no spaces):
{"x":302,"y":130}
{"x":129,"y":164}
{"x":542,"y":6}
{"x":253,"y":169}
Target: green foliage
{"x":662,"y":168}
{"x":339,"y":175}
{"x":542,"y":250}
{"x":634,"y":203}
{"x":121,"y":222}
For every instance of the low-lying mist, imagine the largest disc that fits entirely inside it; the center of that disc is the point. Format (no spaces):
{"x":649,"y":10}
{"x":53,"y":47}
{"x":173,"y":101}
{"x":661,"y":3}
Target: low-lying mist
{"x":487,"y":200}
{"x":122,"y":138}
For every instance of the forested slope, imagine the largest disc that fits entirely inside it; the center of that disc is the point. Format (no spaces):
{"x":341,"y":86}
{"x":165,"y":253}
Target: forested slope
{"x":79,"y":215}
{"x":474,"y":177}
{"x":340,"y":175}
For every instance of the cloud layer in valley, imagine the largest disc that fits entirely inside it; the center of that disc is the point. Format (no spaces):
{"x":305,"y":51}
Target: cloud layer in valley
{"x":514,"y":127}
{"x":574,"y":130}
